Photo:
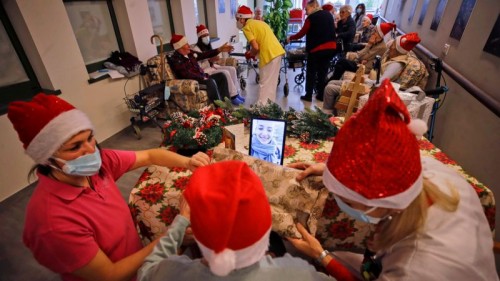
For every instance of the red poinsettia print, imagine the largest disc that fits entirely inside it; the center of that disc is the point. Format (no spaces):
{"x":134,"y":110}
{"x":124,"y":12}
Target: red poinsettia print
{"x":331,"y":209}
{"x":490,"y":216}
{"x":479,"y":189}
{"x":289,"y":151}
{"x":153,"y":193}
{"x":134,"y":211}
{"x":310,"y":146}
{"x":181,"y":183}
{"x":167,"y":214}
{"x":342,"y":229}
{"x":444,"y":158}
{"x":321,"y":157}
{"x":144,"y":177}
{"x":425,"y":145}
{"x":178,"y":169}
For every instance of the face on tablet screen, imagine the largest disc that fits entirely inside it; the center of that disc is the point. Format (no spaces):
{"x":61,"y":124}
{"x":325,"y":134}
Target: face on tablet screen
{"x":267,"y":140}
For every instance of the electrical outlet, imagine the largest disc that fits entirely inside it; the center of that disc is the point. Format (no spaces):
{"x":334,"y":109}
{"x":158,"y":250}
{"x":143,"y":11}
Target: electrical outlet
{"x":446,"y":48}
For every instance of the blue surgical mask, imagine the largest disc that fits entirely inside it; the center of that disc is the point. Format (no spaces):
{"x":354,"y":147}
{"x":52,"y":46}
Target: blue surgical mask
{"x":86,"y":165}
{"x":205,"y":40}
{"x":239,"y":25}
{"x":358,"y":11}
{"x":357,"y":214}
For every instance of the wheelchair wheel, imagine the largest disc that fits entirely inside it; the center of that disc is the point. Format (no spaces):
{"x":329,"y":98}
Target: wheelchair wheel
{"x":299,"y":78}
{"x":243,"y":84}
{"x":286,"y":89}
{"x":257,"y":78}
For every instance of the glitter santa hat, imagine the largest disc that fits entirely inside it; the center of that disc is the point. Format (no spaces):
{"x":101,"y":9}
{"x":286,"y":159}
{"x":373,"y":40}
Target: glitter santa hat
{"x":230,"y":215}
{"x":244,"y":12}
{"x":178,"y":41}
{"x":201,"y":30}
{"x":45,"y":123}
{"x":407,"y":42}
{"x":375,"y":159}
{"x":385,"y":28}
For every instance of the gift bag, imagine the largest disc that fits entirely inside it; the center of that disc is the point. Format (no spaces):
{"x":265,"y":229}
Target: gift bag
{"x":290,"y":200}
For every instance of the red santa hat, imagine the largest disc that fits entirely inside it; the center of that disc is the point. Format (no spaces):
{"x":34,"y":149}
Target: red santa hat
{"x":327,"y":7}
{"x":370,"y":16}
{"x":230,"y":215}
{"x":45,"y":123}
{"x":385,"y":28}
{"x":407,"y":42}
{"x":178,"y":41}
{"x":243,"y":12}
{"x":201,"y":30}
{"x":375,"y":159}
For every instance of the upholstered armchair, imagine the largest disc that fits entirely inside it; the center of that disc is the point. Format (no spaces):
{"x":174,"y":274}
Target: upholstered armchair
{"x":185,"y":94}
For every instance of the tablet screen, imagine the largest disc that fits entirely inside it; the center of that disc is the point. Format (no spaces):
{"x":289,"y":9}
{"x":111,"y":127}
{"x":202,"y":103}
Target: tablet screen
{"x":267,"y":139}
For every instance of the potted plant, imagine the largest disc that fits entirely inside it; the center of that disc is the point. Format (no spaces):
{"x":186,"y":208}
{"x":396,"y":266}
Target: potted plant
{"x":276,"y":15}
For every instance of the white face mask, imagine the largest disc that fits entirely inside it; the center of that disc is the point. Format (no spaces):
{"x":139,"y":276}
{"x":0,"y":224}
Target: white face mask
{"x":239,"y":25}
{"x":205,"y":40}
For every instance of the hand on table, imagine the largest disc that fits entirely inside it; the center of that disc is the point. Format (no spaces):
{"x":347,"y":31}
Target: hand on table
{"x":314,"y":169}
{"x":198,"y":160}
{"x":308,"y":245}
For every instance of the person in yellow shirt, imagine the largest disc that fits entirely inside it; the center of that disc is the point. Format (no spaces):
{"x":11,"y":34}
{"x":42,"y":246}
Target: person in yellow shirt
{"x":263,"y":43}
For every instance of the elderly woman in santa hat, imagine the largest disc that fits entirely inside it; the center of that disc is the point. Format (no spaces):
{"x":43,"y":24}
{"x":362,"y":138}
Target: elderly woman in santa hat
{"x":429,"y":223}
{"x":77,"y":223}
{"x":210,"y":66}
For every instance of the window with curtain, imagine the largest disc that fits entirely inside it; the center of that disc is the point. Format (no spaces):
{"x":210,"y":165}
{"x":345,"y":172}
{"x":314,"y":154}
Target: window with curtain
{"x":161,"y":19}
{"x":96,"y":30}
{"x":17,"y":79}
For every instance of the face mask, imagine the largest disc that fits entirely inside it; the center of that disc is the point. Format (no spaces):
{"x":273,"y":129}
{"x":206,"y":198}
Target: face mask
{"x":205,"y":40}
{"x":358,"y":10}
{"x":357,"y":214}
{"x":86,"y":165}
{"x":239,"y":25}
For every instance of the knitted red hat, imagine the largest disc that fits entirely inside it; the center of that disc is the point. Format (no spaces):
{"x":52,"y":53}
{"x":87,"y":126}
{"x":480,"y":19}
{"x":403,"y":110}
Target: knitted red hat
{"x":375,"y":159}
{"x":178,"y":41}
{"x":201,"y":30}
{"x":244,"y":12}
{"x":327,"y":7}
{"x":407,"y":42}
{"x":385,"y":28}
{"x":230,"y":215}
{"x":46,"y":123}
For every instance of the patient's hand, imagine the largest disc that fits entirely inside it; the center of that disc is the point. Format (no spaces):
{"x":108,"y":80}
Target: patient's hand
{"x":315,"y":169}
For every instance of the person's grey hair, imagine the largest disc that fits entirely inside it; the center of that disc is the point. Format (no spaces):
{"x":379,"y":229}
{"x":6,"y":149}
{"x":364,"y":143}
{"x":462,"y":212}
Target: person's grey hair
{"x":346,"y":8}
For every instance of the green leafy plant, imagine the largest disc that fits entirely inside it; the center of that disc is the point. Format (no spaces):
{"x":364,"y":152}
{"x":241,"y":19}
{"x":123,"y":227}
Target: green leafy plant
{"x":276,"y":14}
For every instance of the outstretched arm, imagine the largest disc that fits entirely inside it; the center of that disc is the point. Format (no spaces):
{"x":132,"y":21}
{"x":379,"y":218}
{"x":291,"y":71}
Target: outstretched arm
{"x":163,"y":157}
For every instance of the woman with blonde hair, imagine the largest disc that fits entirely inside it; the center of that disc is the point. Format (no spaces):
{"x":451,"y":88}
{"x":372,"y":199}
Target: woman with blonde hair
{"x":429,"y":223}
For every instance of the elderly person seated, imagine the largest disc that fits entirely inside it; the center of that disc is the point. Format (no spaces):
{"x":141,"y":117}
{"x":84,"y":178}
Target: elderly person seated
{"x":184,"y":63}
{"x":230,"y":218}
{"x":210,"y":66}
{"x":399,"y":65}
{"x":363,"y":35}
{"x":376,"y":46}
{"x":346,"y":28}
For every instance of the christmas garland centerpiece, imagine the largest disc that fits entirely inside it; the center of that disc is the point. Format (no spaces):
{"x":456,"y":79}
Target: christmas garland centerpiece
{"x":196,"y":130}
{"x":309,"y":125}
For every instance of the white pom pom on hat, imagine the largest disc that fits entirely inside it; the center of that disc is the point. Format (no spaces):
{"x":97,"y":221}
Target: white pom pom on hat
{"x":418,"y":127}
{"x":223,"y":263}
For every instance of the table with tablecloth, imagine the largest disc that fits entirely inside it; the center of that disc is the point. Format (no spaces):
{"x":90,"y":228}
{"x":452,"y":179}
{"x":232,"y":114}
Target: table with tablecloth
{"x":154,"y":200}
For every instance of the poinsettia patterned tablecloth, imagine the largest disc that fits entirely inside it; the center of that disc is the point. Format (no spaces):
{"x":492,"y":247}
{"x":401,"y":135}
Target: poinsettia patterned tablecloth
{"x":154,"y":200}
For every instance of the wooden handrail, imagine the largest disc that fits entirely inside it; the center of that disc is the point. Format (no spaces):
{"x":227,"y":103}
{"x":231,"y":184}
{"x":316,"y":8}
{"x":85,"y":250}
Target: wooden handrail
{"x":483,"y":97}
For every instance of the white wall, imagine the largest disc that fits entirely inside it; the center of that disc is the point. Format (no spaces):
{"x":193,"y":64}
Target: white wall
{"x":48,"y":39}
